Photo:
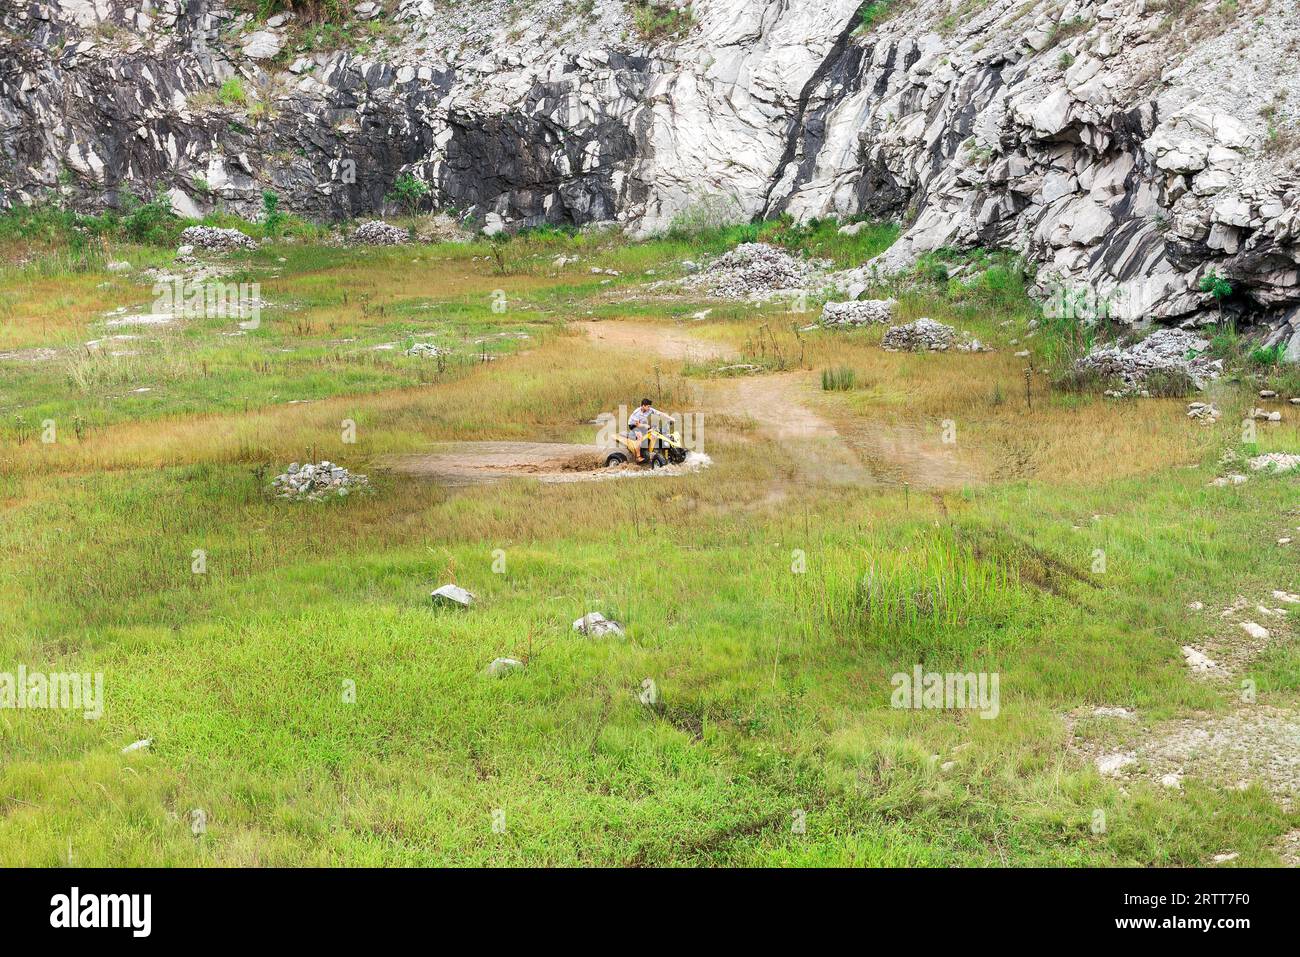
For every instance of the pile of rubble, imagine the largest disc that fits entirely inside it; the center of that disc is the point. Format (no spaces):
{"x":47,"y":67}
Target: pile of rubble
{"x":440,"y":228}
{"x":1167,"y":351}
{"x":214,"y":239}
{"x":376,"y":232}
{"x":425,"y":350}
{"x":926,"y":335}
{"x":315,"y":482}
{"x":756,"y":271}
{"x":858,"y":312}
{"x":1275,"y":462}
{"x":1204,"y":412}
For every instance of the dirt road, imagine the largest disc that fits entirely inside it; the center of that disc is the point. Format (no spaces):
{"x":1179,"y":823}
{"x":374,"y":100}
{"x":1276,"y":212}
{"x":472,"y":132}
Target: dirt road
{"x":780,"y":406}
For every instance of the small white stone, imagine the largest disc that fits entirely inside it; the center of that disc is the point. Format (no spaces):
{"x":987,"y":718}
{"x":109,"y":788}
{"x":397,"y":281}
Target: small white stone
{"x":452,"y":595}
{"x":594,"y":625}
{"x":1110,"y":765}
{"x":262,"y":45}
{"x":503,"y":666}
{"x":1196,"y":660}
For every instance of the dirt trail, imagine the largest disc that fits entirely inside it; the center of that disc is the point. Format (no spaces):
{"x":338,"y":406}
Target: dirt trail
{"x":474,"y":463}
{"x":663,"y":341}
{"x":779,"y":405}
{"x":469,"y":463}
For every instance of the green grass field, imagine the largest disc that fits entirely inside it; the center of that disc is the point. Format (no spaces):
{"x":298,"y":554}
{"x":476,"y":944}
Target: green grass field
{"x":308,"y":705}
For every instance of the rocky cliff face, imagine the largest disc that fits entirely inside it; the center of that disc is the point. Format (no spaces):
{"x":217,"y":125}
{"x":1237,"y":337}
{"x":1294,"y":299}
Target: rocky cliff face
{"x":1128,"y":147}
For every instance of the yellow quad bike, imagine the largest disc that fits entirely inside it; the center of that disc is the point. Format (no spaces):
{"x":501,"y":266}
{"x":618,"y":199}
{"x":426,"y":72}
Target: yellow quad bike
{"x":660,"y":450}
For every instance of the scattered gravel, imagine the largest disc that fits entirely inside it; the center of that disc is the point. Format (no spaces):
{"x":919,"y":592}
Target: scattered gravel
{"x":1260,"y":743}
{"x":315,"y":482}
{"x":376,"y":232}
{"x":1254,"y":630}
{"x":756,"y":271}
{"x":1110,"y":765}
{"x":215,"y":239}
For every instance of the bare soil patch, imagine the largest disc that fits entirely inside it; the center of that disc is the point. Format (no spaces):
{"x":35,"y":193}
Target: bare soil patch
{"x":655,"y":340}
{"x":474,"y":463}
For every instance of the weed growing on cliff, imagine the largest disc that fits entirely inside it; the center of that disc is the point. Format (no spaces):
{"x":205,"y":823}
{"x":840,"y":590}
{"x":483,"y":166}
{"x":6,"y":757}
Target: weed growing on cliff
{"x":309,"y":11}
{"x":408,"y":191}
{"x":231,"y":92}
{"x":873,"y":14}
{"x":655,"y":21}
{"x":151,"y":222}
{"x":1063,"y":30}
{"x":1218,"y":287}
{"x":708,"y":212}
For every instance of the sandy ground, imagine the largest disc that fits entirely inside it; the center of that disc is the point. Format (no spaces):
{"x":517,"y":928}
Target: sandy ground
{"x":473,"y":463}
{"x":468,"y":463}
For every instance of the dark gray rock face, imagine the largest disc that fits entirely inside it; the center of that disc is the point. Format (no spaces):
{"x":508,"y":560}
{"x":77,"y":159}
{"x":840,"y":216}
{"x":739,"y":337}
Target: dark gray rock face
{"x":1121,"y":148}
{"x":93,"y":120}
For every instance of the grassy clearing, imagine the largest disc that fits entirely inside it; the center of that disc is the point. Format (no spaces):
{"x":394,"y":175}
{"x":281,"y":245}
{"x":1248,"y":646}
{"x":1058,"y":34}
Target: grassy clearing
{"x":770,"y":613}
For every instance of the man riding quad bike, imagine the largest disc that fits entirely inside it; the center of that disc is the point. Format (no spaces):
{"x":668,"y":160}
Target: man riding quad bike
{"x":646,"y":445}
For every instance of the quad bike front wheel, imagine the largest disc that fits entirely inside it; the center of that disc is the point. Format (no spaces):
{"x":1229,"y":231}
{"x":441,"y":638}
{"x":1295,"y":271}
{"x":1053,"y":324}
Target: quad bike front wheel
{"x":658,"y":461}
